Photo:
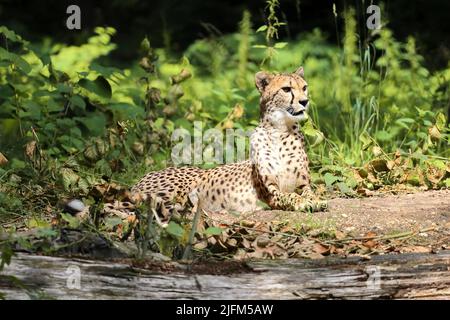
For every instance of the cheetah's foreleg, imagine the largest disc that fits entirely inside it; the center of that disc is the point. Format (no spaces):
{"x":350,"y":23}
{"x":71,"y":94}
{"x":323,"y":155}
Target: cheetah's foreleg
{"x":295,"y":202}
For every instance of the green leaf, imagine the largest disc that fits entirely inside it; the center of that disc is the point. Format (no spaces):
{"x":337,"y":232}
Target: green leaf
{"x":5,"y":257}
{"x":263,"y":205}
{"x":447,"y":182}
{"x":427,"y":123}
{"x":308,"y":129}
{"x":262,"y":28}
{"x":84,"y":185}
{"x":6,"y":91}
{"x":63,"y":88}
{"x":37,"y":223}
{"x":330,"y":179}
{"x":366,"y":140}
{"x":383,"y":135}
{"x":175,"y":230}
{"x":69,"y":178}
{"x":95,"y":123}
{"x":71,"y":220}
{"x":344,"y":188}
{"x":77,"y":101}
{"x":11,"y":35}
{"x":158,"y":123}
{"x":145,"y":44}
{"x":111,"y":222}
{"x":100,"y":86}
{"x":438,"y":164}
{"x":46,"y":233}
{"x":280,"y":45}
{"x":125,"y":111}
{"x":405,"y":122}
{"x":105,"y":71}
{"x":213,"y":231}
{"x":32,"y":110}
{"x":440,"y":121}
{"x":16,"y":59}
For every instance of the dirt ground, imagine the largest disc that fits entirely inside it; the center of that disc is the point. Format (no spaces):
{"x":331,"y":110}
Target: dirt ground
{"x":391,"y":213}
{"x":380,"y":214}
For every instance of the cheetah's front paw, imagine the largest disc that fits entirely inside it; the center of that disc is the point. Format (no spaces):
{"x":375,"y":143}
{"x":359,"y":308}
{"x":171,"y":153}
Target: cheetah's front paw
{"x":311,"y":205}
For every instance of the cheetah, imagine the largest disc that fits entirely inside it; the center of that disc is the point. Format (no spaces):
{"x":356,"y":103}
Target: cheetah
{"x":276,"y":174}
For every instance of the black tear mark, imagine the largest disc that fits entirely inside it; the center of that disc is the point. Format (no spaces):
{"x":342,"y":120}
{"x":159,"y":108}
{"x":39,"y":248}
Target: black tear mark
{"x":292,"y":93}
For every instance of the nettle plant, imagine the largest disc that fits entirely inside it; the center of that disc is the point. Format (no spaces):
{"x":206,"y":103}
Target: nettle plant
{"x":63,"y":113}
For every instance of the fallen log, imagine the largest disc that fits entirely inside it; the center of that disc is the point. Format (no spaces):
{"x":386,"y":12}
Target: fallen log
{"x":417,"y":276}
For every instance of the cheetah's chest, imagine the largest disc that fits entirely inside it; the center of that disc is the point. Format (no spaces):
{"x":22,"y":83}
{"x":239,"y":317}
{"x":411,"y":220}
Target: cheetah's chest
{"x":290,"y":162}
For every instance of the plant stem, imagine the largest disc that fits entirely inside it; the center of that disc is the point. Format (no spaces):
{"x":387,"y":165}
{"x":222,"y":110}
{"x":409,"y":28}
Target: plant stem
{"x":188,"y":251}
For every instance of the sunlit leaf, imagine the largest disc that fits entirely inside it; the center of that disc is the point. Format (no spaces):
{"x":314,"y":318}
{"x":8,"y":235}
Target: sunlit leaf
{"x":262,"y":28}
{"x":280,"y":45}
{"x":440,"y":121}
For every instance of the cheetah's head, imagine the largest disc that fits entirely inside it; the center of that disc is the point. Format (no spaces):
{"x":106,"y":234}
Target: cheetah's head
{"x":284,"y":96}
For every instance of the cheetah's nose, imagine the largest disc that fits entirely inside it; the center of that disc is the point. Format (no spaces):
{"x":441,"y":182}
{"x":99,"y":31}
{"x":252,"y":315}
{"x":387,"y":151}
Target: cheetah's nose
{"x":304,"y":102}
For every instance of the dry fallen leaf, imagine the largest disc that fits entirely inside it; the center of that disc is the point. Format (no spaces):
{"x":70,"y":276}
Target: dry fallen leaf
{"x":3,"y":159}
{"x":370,"y":244}
{"x":232,"y":243}
{"x":201,"y":245}
{"x":262,"y":241}
{"x":238,"y":111}
{"x":370,"y":234}
{"x":246,"y":244}
{"x":365,"y":192}
{"x":131,"y":219}
{"x":248,"y":223}
{"x":319,"y":248}
{"x":30,"y":149}
{"x":339,"y":235}
{"x":415,"y":249}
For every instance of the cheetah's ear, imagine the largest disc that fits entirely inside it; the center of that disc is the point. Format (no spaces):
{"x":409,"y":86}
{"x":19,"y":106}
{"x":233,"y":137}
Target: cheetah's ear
{"x":262,"y":79}
{"x":300,"y":72}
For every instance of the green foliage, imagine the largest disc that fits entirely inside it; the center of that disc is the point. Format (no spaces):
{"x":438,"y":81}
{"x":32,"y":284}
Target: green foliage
{"x":6,"y":250}
{"x":271,"y":32}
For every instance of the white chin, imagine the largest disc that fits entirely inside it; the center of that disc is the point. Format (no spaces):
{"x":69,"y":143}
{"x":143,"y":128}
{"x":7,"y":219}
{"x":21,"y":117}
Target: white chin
{"x":300,"y":117}
{"x":279,"y":117}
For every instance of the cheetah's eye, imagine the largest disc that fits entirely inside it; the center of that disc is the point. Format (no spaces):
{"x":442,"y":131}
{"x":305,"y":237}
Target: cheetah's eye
{"x":286,"y":89}
{"x":305,"y":87}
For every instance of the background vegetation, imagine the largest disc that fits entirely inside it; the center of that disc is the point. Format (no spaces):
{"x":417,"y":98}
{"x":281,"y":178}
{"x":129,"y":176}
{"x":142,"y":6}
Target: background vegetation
{"x":75,"y":116}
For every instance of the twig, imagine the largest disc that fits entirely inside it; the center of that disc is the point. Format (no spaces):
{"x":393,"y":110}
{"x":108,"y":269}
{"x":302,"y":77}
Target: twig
{"x":67,"y":245}
{"x":382,"y":237}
